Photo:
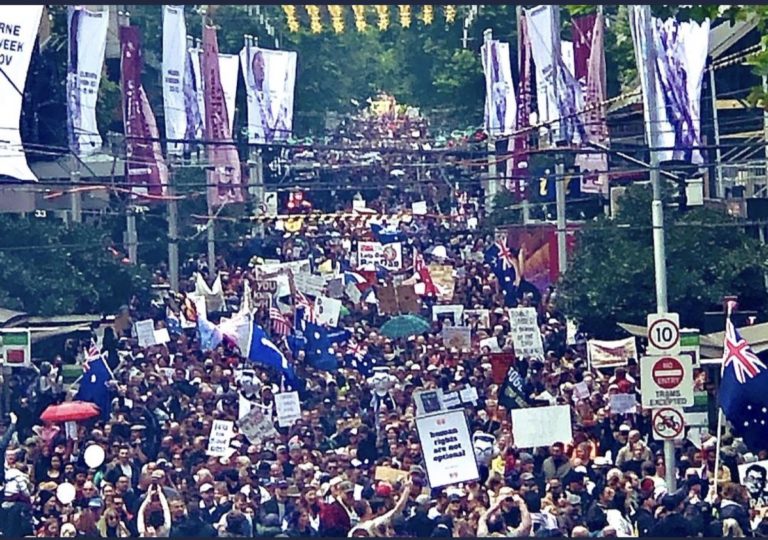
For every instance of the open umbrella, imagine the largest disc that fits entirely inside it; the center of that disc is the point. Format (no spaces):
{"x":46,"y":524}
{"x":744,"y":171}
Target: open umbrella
{"x":404,"y":326}
{"x":69,"y":411}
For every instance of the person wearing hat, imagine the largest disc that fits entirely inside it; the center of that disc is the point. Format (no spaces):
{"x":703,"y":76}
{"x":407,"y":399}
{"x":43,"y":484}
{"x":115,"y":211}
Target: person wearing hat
{"x":672,"y":522}
{"x":338,"y":517}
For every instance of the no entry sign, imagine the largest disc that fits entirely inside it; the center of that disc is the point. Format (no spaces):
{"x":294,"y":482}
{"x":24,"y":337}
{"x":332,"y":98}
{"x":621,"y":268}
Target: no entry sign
{"x":666,"y":381}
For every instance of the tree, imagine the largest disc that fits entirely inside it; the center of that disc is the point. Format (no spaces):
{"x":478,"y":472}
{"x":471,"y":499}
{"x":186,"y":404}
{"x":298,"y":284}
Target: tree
{"x":611,"y":277}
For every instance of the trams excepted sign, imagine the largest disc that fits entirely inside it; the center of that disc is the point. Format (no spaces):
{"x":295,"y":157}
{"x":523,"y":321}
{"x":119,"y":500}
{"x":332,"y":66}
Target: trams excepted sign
{"x":663,"y":334}
{"x":668,"y":424}
{"x":666,"y":381}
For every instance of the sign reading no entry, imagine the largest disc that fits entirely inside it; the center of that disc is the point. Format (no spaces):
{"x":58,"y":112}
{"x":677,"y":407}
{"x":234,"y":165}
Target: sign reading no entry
{"x":666,"y":381}
{"x":663,"y":334}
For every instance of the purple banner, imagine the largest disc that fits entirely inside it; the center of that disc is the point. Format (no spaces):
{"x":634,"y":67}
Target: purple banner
{"x":589,"y":65}
{"x":517,"y":165}
{"x":224,"y":175}
{"x":145,"y":167}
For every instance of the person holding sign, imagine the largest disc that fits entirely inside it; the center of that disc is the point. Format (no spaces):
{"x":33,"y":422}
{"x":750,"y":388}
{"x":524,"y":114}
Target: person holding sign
{"x":381,"y":524}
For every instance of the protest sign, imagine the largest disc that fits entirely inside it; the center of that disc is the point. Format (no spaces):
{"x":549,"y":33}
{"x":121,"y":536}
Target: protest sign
{"x":753,"y":477}
{"x":309,"y":283}
{"x":442,"y":277}
{"x":288,"y":408}
{"x":477,"y":318}
{"x":469,"y":395}
{"x":407,"y":299}
{"x":257,"y":425}
{"x":390,"y":256}
{"x":389,"y":474}
{"x":336,"y":288}
{"x":580,"y":391}
{"x":524,"y":327}
{"x":353,"y":293}
{"x":492,"y":343}
{"x":447,"y":447}
{"x":451,"y":400}
{"x":427,"y":402}
{"x":244,"y":406}
{"x":218,"y":440}
{"x":541,"y":426}
{"x":262,"y":292}
{"x":607,"y":354}
{"x":327,"y":311}
{"x":162,"y":337}
{"x":452,"y":312}
{"x":419,"y":208}
{"x":145,"y":333}
{"x":623,"y":404}
{"x":459,"y":337}
{"x":387,"y":300}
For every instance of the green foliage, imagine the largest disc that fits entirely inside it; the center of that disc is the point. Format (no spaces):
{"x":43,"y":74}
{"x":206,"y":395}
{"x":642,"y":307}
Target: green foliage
{"x":46,"y":269}
{"x":611,"y":278}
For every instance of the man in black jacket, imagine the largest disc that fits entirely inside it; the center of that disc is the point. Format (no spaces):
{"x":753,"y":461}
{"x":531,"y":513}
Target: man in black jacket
{"x":673,"y":524}
{"x":188,"y":523}
{"x":643,"y":518}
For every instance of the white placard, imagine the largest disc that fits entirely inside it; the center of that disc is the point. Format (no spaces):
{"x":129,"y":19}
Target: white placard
{"x":162,"y":337}
{"x":428,"y":402}
{"x":447,"y":447}
{"x":469,"y":395}
{"x":327,"y":311}
{"x":580,"y":391}
{"x":541,"y":426}
{"x":753,"y":476}
{"x":145,"y":332}
{"x":257,"y":425}
{"x":419,"y":208}
{"x":70,"y":429}
{"x":524,"y":328}
{"x":451,"y":400}
{"x":218,"y":440}
{"x":666,"y":381}
{"x":459,"y":337}
{"x":353,"y":293}
{"x":623,"y":404}
{"x":309,"y":283}
{"x":453,"y":311}
{"x":288,"y":408}
{"x":492,"y":343}
{"x":244,"y":406}
{"x":390,"y":256}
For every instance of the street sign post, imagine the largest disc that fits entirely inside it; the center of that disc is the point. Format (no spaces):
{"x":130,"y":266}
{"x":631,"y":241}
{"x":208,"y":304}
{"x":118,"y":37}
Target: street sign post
{"x":668,"y":424}
{"x":666,"y":381}
{"x":663,"y":334}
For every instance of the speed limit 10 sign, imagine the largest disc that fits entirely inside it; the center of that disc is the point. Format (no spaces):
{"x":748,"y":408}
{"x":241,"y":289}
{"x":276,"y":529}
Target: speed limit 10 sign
{"x":663,"y":334}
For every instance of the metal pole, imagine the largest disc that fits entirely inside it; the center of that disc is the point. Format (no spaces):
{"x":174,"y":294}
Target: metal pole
{"x":211,"y":232}
{"x":130,"y":218}
{"x":562,"y":254}
{"x":520,"y":60}
{"x":657,"y":211}
{"x":173,"y":230}
{"x":719,"y":187}
{"x":74,"y":176}
{"x":492,"y":185}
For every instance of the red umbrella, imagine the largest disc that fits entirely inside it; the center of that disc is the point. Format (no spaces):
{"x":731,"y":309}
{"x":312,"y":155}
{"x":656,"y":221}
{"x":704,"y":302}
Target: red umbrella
{"x":69,"y":411}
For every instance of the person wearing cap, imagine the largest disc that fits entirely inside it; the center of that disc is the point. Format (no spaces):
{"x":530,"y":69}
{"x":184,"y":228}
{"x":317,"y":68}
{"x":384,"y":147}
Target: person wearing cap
{"x":210,"y":509}
{"x":420,"y":523}
{"x":672,"y":522}
{"x":338,"y":517}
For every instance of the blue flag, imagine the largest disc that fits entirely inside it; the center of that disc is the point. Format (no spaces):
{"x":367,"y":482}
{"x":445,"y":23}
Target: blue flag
{"x":744,"y":390}
{"x":262,"y":351}
{"x":502,"y":265}
{"x":387,"y":235}
{"x":93,"y":385}
{"x":317,"y":342}
{"x":210,"y":334}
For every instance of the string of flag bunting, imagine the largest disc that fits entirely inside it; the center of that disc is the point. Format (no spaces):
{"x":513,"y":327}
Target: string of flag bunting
{"x":337,"y":16}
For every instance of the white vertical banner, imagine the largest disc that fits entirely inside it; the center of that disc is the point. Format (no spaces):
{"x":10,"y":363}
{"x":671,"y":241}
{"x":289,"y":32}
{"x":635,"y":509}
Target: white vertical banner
{"x":174,"y":63}
{"x":229,"y":68}
{"x":541,"y":21}
{"x":87,"y":45}
{"x":19,"y":32}
{"x":197,"y":73}
{"x":500,"y":100}
{"x":270,"y":78}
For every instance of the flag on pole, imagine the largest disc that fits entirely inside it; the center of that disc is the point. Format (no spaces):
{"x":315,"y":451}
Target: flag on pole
{"x":305,"y":310}
{"x":420,"y":267}
{"x":94,"y":382}
{"x":743,"y":395}
{"x":281,"y":325}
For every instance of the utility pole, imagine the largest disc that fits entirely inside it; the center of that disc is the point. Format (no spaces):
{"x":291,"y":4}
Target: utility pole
{"x":719,"y":187}
{"x":520,"y":60}
{"x":211,"y":231}
{"x":562,"y":252}
{"x":132,"y":238}
{"x":492,"y":184}
{"x":173,"y":226}
{"x":255,"y":161}
{"x":657,"y":208}
{"x":74,"y":176}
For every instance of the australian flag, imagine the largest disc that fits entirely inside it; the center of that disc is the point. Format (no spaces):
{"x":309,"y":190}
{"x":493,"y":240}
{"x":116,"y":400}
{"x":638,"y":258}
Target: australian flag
{"x":500,"y":258}
{"x":317,"y":343}
{"x":744,"y":390}
{"x":93,"y":384}
{"x":357,"y":357}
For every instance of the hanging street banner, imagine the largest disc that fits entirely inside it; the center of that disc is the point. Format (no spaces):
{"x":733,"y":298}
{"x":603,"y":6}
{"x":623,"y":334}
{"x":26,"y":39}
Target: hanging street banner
{"x":85,"y":61}
{"x":145,"y":167}
{"x":224,"y":179}
{"x":229,"y":67}
{"x":500,"y":102}
{"x":607,"y":354}
{"x":174,"y":73}
{"x":270,"y":78}
{"x":19,"y":32}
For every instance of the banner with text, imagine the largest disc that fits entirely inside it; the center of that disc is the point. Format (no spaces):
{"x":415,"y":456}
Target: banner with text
{"x":174,"y":73}
{"x":447,"y":447}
